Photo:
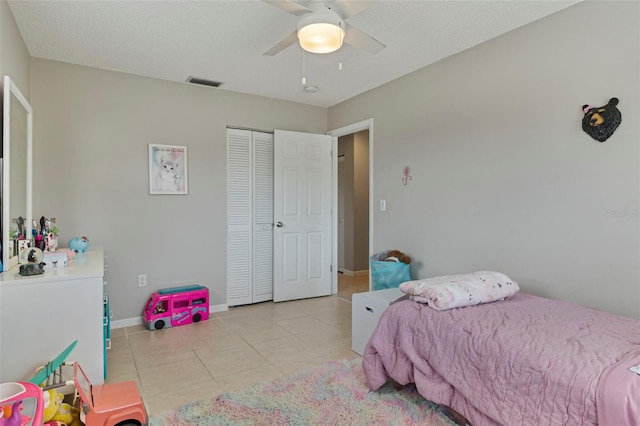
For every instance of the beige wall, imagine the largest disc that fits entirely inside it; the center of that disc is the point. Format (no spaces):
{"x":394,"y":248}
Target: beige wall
{"x":14,"y":62}
{"x":91,"y":171}
{"x":504,"y":178}
{"x":14,"y":56}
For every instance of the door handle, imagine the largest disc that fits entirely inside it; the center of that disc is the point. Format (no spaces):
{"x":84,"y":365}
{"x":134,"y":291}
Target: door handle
{"x":279,"y":224}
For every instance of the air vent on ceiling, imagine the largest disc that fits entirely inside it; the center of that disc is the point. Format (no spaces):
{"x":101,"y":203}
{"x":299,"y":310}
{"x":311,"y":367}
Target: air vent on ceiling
{"x":203,"y":81}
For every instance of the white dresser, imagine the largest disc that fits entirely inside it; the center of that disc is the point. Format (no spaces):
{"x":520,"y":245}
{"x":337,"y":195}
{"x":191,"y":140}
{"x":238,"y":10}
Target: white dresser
{"x":41,"y":315}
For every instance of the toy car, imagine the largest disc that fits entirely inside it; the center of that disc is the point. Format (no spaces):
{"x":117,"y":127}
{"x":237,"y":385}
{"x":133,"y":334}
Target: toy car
{"x":20,"y":404}
{"x":114,"y":404}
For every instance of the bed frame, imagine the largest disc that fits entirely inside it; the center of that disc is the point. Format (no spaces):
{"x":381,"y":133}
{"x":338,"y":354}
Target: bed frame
{"x":525,"y":360}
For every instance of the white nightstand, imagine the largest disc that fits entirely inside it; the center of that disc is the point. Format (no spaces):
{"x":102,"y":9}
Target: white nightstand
{"x":366,"y":309}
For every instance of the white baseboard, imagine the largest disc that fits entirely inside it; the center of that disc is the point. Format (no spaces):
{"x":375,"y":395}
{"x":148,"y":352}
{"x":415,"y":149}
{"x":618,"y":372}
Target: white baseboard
{"x":355,"y":273}
{"x":218,"y":308}
{"x":130,"y":322}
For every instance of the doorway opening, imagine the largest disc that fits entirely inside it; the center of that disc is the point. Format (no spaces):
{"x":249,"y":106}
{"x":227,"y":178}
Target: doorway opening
{"x":353,"y":221}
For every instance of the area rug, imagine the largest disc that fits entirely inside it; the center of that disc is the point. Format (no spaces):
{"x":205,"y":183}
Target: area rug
{"x":332,"y":394}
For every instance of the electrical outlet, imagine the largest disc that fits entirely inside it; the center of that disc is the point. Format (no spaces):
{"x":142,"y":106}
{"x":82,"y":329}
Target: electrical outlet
{"x":142,"y":280}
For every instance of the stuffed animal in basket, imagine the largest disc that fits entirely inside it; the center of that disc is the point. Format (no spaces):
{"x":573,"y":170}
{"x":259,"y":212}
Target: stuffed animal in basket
{"x":397,"y":256}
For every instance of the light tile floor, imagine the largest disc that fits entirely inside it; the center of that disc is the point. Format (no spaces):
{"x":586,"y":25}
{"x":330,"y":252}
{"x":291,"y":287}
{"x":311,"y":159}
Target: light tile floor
{"x":233,"y":349}
{"x":348,"y":285}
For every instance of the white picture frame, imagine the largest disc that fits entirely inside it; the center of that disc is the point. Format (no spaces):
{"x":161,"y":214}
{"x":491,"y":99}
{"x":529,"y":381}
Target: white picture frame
{"x":168,"y":172}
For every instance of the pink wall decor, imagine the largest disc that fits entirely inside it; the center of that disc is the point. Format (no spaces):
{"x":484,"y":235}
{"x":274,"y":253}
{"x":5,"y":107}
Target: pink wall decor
{"x":406,"y":175}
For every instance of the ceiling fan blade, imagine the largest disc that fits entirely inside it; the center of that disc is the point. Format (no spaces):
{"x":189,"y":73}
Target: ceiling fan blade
{"x":358,"y":38}
{"x":289,"y":6}
{"x":347,"y":8}
{"x":282,"y":44}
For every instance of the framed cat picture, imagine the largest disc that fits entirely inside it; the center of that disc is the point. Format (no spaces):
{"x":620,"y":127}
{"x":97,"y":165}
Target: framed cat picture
{"x":168,"y":169}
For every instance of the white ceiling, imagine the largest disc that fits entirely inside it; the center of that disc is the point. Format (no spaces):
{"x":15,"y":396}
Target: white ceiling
{"x":224,"y":40}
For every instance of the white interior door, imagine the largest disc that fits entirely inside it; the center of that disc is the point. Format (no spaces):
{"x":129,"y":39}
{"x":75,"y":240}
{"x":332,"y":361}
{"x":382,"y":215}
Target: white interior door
{"x":302,"y":215}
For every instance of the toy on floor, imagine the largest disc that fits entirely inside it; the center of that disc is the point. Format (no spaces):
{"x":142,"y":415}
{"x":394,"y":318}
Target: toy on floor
{"x":12,"y":414}
{"x":57,"y":412}
{"x":49,"y":373}
{"x":20,"y":404}
{"x":175,"y":306}
{"x":65,"y":414}
{"x":94,"y":405}
{"x":107,"y":404}
{"x":52,"y":401}
{"x":397,"y":256}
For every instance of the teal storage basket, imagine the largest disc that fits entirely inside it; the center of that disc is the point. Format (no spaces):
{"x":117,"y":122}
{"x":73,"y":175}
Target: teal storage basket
{"x":388,"y":274}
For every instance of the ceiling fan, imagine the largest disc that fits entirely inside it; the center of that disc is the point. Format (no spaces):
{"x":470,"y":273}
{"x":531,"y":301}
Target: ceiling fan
{"x":322,"y":27}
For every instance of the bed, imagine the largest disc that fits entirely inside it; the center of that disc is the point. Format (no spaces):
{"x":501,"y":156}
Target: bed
{"x":523,"y":360}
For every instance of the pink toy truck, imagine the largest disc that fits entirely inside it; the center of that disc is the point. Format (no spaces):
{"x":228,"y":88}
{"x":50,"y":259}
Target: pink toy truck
{"x":175,"y":306}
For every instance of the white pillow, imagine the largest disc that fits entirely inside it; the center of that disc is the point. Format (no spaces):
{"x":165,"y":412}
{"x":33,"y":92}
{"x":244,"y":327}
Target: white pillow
{"x":454,"y":291}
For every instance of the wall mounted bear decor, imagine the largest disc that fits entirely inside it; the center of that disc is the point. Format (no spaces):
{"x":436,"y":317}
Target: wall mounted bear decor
{"x":601,"y":122}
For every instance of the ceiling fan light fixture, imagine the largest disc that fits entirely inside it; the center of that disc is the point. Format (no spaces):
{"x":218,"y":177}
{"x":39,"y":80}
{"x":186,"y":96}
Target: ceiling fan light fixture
{"x":321,"y":32}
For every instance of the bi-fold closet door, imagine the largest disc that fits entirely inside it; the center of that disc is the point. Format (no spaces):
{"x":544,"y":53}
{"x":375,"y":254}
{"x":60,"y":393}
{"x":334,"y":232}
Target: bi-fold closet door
{"x":250,"y":217}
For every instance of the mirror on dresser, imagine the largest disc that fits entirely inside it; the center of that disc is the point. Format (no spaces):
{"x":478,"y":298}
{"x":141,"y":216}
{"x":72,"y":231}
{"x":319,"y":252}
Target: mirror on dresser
{"x":17,"y":135}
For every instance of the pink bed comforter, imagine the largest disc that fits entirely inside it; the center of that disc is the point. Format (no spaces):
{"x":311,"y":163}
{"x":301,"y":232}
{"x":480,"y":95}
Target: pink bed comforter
{"x":522,"y":361}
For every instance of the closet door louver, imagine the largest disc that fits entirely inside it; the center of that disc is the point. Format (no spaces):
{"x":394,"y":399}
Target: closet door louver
{"x":239,"y":217}
{"x":250,"y":217}
{"x":263,"y":217}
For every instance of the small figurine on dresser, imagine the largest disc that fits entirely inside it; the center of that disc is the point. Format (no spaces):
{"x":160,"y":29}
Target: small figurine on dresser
{"x":58,"y":259}
{"x":20,"y":223}
{"x":45,"y":234}
{"x":50,"y":232}
{"x":34,"y":265}
{"x":51,"y":241}
{"x":79,"y":244}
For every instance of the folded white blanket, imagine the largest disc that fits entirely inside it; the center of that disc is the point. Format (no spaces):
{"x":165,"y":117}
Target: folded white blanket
{"x":455,"y":291}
